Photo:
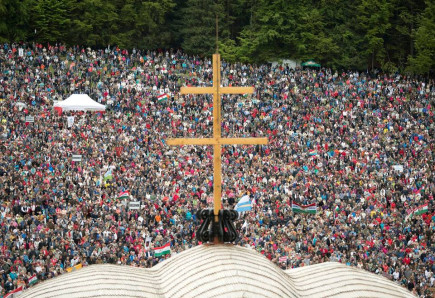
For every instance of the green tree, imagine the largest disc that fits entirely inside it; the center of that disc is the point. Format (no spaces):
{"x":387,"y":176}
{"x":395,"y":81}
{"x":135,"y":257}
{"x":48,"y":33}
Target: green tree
{"x":152,"y":28}
{"x":79,"y":27}
{"x":103,"y":17}
{"x":339,"y":25}
{"x":198,"y":26}
{"x":271,"y":33}
{"x":314,"y":41}
{"x":424,"y":61}
{"x":143,"y":24}
{"x":373,"y":19}
{"x":14,"y":20}
{"x":399,"y":39}
{"x":51,"y":21}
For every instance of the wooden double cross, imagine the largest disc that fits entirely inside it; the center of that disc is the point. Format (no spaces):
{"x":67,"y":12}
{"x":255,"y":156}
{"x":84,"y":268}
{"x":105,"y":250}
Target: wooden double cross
{"x":217,"y":139}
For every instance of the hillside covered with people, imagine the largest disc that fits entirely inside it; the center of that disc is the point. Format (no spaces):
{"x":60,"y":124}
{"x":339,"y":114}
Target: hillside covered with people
{"x":358,"y":145}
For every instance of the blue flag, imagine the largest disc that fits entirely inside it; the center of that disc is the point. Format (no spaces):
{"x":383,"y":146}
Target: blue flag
{"x":244,"y":204}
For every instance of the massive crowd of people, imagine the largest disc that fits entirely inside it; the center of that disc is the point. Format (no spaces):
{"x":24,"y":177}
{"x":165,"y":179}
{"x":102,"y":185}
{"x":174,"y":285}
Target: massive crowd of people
{"x":358,"y":145}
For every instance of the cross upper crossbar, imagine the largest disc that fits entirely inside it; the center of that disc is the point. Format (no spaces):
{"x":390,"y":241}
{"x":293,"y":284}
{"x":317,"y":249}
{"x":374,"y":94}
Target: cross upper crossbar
{"x":217,"y":140}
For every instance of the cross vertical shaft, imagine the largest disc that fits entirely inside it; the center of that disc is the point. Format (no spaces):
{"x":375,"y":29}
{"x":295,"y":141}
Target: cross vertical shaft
{"x":217,"y":162}
{"x":217,"y":141}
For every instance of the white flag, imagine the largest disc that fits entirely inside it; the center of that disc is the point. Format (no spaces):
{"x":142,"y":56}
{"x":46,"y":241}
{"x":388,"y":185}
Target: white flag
{"x":70,"y":120}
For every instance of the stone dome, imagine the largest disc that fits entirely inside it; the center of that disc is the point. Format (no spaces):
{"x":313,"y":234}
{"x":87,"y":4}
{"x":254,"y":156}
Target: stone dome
{"x":218,"y":270}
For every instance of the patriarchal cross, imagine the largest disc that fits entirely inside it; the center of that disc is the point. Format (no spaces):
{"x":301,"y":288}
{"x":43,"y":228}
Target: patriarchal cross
{"x":217,"y":141}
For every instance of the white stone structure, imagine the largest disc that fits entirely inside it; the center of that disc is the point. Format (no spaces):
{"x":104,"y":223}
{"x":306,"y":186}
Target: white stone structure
{"x":218,"y":271}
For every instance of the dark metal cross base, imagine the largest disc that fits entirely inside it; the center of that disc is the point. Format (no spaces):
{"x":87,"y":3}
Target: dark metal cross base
{"x":223,"y":229}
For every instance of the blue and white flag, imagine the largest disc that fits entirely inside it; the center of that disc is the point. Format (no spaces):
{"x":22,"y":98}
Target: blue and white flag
{"x":244,"y":204}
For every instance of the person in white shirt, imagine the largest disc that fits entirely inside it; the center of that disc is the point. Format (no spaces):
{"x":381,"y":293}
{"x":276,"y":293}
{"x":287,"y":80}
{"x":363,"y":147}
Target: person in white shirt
{"x":396,"y":274}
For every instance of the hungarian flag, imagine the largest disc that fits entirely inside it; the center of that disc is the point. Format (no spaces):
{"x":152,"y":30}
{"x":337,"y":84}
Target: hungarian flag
{"x":33,"y":280}
{"x":417,"y":211}
{"x":162,"y":250}
{"x":162,"y":97}
{"x":312,"y":152}
{"x":14,"y":293}
{"x":123,"y":195}
{"x":311,"y":208}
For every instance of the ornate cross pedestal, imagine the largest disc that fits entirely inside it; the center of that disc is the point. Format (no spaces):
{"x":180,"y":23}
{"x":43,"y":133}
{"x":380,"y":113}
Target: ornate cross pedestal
{"x":217,"y":224}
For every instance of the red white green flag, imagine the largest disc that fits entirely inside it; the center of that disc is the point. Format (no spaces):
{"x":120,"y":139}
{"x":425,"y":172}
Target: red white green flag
{"x":33,"y":279}
{"x":162,"y":97}
{"x":311,"y":208}
{"x":14,"y":293}
{"x":123,"y":195}
{"x":162,"y":250}
{"x":417,"y":211}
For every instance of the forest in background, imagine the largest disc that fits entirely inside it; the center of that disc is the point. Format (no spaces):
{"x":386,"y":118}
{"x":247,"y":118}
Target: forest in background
{"x":391,"y":35}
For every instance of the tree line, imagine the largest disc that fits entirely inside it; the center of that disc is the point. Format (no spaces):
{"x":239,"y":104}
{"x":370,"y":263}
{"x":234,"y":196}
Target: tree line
{"x":391,"y":35}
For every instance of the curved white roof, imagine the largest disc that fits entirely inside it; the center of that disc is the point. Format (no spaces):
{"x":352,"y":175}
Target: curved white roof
{"x":218,"y":270}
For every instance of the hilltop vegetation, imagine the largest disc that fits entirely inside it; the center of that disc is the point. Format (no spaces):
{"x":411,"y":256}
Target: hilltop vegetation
{"x":392,"y":35}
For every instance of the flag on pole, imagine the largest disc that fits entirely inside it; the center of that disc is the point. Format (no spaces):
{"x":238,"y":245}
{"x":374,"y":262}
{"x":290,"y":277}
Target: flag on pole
{"x":417,"y":211}
{"x":162,"y":250}
{"x":14,"y":293}
{"x":33,"y":280}
{"x":311,"y":208}
{"x":312,"y":152}
{"x":108,"y":175}
{"x":162,"y":97}
{"x":244,"y":204}
{"x":123,"y":195}
{"x":100,"y":180}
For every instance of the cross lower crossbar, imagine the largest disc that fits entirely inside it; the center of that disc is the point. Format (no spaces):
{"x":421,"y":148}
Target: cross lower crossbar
{"x":210,"y":90}
{"x":219,"y":141}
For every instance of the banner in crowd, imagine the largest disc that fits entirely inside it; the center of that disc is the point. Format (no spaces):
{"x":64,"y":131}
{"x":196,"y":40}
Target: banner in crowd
{"x":244,"y":204}
{"x":14,"y":293}
{"x":417,"y":211}
{"x":134,"y":206}
{"x":398,"y":168}
{"x":311,"y":208}
{"x":76,"y":267}
{"x":77,"y":157}
{"x":30,"y":119}
{"x":162,"y":250}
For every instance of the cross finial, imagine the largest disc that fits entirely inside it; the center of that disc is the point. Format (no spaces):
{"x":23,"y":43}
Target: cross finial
{"x":217,"y":34}
{"x":217,"y":141}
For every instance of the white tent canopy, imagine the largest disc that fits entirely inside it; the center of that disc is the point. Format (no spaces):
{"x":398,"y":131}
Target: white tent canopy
{"x":80,"y":102}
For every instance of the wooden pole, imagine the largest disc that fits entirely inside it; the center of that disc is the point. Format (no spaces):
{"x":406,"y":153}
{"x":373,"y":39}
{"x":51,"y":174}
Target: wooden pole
{"x":217,"y":172}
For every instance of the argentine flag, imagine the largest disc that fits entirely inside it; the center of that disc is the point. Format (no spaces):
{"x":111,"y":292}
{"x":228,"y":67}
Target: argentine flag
{"x":244,"y":204}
